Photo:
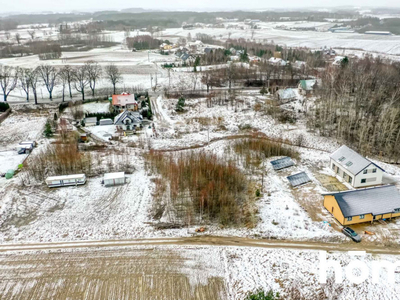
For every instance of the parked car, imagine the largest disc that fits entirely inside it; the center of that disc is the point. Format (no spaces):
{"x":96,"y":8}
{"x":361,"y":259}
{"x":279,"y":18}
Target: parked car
{"x":351,"y":234}
{"x":21,"y":151}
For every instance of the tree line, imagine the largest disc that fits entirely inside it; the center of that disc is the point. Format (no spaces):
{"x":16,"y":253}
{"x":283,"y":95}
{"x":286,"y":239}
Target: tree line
{"x":68,"y":78}
{"x":359,"y":103}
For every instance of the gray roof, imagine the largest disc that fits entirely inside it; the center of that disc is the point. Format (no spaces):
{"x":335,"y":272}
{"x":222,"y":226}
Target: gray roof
{"x":282,"y":163}
{"x":133,"y":116}
{"x":298,"y":179}
{"x":375,"y":201}
{"x":351,"y":160}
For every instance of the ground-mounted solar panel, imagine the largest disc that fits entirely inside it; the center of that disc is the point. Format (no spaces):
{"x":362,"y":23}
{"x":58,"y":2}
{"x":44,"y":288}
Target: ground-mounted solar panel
{"x":298,"y":179}
{"x":282,"y":163}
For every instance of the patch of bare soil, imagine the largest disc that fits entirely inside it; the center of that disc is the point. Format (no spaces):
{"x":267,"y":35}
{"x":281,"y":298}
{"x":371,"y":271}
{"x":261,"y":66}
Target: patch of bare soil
{"x":107,"y":274}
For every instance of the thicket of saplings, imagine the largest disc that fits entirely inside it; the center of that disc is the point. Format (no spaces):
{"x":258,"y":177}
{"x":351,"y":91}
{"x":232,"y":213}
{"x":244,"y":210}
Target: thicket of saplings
{"x":202,"y":188}
{"x":251,"y":152}
{"x":359,"y":104}
{"x":64,"y":157}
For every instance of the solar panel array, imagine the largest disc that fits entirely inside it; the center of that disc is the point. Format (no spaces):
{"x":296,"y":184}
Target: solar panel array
{"x":298,"y":179}
{"x":282,"y":163}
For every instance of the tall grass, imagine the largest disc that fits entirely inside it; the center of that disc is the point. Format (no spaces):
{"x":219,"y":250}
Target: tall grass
{"x":252,"y":151}
{"x":203,"y":187}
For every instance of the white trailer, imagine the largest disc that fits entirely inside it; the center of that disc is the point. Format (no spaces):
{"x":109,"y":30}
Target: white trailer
{"x":33,"y":143}
{"x":66,"y":180}
{"x":111,"y":179}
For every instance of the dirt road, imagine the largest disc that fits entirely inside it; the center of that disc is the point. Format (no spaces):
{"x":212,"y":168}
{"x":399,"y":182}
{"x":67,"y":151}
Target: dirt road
{"x":206,"y":241}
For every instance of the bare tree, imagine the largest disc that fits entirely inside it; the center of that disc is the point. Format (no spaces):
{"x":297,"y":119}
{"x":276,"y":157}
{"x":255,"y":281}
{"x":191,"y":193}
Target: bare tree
{"x":113,"y":75}
{"x":25,"y":77}
{"x":49,"y":75}
{"x":67,"y":72}
{"x":94,"y":72}
{"x":34,"y":80}
{"x":7,"y":34}
{"x":18,"y":38}
{"x":8,"y":80}
{"x":81,"y":80}
{"x":32,"y":34}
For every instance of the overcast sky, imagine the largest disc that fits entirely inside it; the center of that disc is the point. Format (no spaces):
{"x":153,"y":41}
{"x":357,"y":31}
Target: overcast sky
{"x":95,"y":5}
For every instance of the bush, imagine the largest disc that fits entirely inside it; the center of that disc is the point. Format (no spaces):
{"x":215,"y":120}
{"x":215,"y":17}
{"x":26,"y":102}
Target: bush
{"x":48,"y":132}
{"x":4,"y":106}
{"x":261,"y":295}
{"x":180,"y":104}
{"x":258,"y":193}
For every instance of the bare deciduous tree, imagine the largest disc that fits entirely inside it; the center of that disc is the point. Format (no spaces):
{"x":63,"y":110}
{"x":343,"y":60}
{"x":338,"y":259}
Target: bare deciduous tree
{"x":113,"y":75}
{"x":18,"y":38}
{"x":34,"y":80}
{"x":8,"y":80}
{"x":94,"y":72}
{"x":81,"y":80}
{"x":67,"y":74}
{"x":25,"y":77}
{"x":49,"y":76}
{"x":32,"y":34}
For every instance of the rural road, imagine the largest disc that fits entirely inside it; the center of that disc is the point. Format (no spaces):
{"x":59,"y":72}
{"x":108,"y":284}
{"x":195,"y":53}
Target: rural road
{"x":206,"y":241}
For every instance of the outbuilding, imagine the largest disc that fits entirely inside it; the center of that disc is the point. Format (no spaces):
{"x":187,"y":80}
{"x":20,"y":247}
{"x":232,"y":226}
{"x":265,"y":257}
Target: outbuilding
{"x":92,"y":121}
{"x":66,"y":180}
{"x":106,"y":122}
{"x":111,"y":179}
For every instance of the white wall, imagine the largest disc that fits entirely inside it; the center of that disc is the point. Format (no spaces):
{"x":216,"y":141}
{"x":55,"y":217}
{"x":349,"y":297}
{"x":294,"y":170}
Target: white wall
{"x":356,"y":180}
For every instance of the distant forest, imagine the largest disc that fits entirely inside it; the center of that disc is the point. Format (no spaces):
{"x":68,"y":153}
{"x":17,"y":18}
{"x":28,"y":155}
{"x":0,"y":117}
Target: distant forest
{"x":120,"y":20}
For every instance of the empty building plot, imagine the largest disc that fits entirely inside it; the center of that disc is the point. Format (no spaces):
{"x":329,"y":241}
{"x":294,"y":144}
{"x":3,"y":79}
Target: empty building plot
{"x":298,"y":179}
{"x":282,"y":163}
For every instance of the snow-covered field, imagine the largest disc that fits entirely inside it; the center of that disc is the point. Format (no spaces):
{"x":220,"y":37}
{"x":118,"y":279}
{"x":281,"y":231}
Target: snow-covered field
{"x":192,"y":272}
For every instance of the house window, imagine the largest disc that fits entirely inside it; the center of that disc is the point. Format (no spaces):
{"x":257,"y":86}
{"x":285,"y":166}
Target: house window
{"x":349,"y":218}
{"x":333,"y":208}
{"x":397,"y":210}
{"x":374,"y":170}
{"x":342,"y":158}
{"x":363,"y":180}
{"x":349,"y":163}
{"x":337,"y":170}
{"x":362,"y":217}
{"x":333,"y":166}
{"x":365,"y":172}
{"x":350,"y":179}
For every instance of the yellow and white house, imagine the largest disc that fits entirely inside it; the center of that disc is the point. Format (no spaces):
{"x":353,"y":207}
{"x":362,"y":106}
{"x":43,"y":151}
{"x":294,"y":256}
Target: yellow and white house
{"x":363,"y":205}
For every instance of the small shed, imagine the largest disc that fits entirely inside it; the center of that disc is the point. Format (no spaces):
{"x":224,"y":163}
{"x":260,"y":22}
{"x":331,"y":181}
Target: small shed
{"x":91,"y":121}
{"x":282,"y":163}
{"x":298,"y":179}
{"x":111,"y":179}
{"x":106,"y":122}
{"x":33,"y":143}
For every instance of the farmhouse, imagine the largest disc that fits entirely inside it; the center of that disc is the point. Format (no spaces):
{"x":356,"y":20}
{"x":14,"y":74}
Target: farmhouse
{"x":366,"y":205}
{"x":124,"y":101}
{"x":354,"y":168}
{"x":128,"y":120}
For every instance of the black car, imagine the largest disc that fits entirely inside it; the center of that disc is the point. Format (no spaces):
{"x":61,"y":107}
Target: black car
{"x":351,"y":234}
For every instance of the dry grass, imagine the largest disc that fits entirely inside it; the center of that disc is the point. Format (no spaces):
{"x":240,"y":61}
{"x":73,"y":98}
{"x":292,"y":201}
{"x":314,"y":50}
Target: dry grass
{"x":253,"y":151}
{"x":202,"y":187}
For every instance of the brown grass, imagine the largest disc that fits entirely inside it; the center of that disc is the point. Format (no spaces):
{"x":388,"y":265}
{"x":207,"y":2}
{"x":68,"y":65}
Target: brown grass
{"x":253,"y":151}
{"x":203,"y":187}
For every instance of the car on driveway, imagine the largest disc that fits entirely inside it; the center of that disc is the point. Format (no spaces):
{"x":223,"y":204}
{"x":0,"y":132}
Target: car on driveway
{"x":351,"y":234}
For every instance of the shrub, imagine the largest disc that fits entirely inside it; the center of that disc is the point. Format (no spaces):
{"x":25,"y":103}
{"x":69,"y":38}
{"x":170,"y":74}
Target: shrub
{"x":48,"y":132}
{"x":180,"y":104}
{"x":258,"y":193}
{"x":4,"y":106}
{"x":261,"y":295}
